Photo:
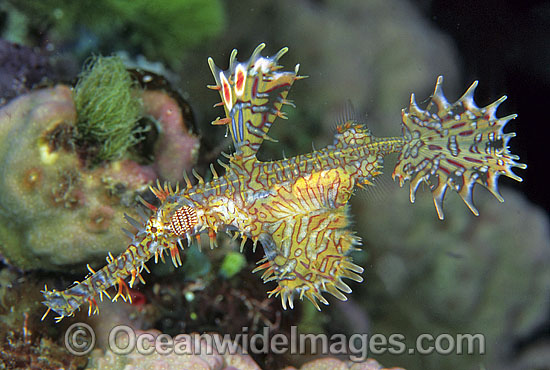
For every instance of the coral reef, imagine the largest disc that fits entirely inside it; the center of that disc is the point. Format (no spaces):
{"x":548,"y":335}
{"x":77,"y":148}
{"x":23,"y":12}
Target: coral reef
{"x":24,"y":342}
{"x":21,"y":68}
{"x":335,"y":364}
{"x":204,"y":356}
{"x":466,"y":274}
{"x":73,"y":210}
{"x":199,"y":353}
{"x":21,"y":353}
{"x":56,"y":211}
{"x":175,"y":150}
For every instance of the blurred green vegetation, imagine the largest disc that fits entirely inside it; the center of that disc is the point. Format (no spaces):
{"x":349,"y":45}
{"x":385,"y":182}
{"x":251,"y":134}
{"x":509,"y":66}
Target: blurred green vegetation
{"x":232,"y":264}
{"x":159,"y":30}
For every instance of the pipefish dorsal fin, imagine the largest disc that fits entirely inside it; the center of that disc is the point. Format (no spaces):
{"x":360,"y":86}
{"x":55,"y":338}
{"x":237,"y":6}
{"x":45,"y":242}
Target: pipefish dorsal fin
{"x":253,"y":93}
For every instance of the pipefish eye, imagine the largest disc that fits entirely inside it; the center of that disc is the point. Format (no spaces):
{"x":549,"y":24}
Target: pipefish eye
{"x":183,"y":220}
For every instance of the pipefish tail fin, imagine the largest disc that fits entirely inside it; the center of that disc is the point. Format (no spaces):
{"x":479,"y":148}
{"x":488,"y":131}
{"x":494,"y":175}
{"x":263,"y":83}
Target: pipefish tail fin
{"x":455,"y":146}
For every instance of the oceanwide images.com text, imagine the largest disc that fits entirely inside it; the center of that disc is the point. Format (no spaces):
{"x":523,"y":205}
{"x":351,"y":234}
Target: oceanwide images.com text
{"x":80,"y":340}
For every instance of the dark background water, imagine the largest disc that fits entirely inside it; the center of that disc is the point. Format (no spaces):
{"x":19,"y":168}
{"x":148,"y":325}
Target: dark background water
{"x":506,"y":45}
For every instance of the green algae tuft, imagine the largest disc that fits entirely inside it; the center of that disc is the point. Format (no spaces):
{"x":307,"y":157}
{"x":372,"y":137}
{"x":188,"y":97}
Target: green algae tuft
{"x":108,"y":108}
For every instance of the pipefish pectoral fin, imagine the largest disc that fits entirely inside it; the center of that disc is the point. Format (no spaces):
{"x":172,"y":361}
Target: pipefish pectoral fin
{"x":311,"y":256}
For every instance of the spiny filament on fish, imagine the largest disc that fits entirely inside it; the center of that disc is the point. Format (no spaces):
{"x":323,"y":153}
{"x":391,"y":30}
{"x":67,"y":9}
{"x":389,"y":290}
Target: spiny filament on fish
{"x":297,"y":208}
